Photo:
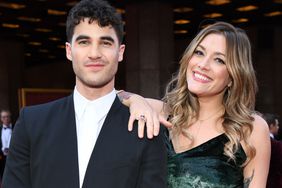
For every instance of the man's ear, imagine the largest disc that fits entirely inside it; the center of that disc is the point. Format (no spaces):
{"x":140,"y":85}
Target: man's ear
{"x":121,"y":52}
{"x":68,"y":51}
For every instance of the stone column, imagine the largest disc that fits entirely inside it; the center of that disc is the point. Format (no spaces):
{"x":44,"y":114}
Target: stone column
{"x":149,"y":47}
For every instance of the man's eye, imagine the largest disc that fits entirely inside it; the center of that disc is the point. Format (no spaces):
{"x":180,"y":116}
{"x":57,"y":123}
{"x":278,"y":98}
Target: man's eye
{"x":83,"y":42}
{"x":106,"y":43}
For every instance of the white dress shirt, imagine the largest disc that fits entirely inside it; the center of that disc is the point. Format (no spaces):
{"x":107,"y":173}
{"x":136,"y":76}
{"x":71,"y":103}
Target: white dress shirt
{"x":6,"y":136}
{"x":90,"y":116}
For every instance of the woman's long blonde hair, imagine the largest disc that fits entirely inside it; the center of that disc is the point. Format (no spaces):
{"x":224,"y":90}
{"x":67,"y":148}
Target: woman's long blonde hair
{"x":239,"y":98}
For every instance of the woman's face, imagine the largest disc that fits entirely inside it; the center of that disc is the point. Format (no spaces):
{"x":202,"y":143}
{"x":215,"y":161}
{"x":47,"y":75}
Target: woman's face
{"x":207,"y":73}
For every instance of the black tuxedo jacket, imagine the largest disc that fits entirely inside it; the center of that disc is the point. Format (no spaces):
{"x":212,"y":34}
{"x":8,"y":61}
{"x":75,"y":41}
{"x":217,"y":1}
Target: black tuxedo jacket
{"x":2,"y":156}
{"x":1,"y":127}
{"x":274,"y":179}
{"x":43,"y":151}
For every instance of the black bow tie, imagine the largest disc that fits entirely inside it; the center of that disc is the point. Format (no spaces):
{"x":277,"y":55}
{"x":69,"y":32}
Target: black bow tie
{"x":6,"y":128}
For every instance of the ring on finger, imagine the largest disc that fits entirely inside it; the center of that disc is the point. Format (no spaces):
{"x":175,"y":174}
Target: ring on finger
{"x":142,"y":117}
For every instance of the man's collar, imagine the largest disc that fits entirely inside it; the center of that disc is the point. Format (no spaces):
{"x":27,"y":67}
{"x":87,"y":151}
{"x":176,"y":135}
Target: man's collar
{"x":7,"y":126}
{"x":80,"y":103}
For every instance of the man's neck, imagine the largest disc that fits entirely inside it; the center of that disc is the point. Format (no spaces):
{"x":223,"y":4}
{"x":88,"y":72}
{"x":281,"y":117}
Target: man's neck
{"x":93,"y":93}
{"x":6,"y":125}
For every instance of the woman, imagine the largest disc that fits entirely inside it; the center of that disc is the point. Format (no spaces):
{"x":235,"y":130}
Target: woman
{"x":216,"y":140}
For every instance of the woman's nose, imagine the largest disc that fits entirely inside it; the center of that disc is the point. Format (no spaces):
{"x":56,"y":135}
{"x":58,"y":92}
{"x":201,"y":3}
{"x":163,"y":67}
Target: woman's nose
{"x":204,"y":63}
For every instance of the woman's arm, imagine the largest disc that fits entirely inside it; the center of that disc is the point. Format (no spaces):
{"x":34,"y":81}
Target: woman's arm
{"x":256,"y":171}
{"x":149,"y":112}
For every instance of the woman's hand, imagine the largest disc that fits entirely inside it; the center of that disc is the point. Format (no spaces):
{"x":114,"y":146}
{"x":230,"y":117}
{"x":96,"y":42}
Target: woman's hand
{"x":148,"y":112}
{"x":141,"y":111}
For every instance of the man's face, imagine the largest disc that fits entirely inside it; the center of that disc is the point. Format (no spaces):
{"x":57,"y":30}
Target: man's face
{"x":95,"y":53}
{"x":274,"y":128}
{"x":5,"y":118}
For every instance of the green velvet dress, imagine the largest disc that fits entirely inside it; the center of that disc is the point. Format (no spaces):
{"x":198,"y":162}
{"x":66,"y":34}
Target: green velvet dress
{"x":205,"y":166}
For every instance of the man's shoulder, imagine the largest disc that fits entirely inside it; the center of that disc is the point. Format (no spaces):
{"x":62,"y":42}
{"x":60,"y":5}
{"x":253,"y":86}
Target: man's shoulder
{"x":49,"y":105}
{"x":276,"y":143}
{"x":276,"y":149}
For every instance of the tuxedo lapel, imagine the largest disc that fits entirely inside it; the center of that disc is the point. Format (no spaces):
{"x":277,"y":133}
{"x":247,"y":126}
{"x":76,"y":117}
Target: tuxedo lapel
{"x":106,"y":126}
{"x":69,"y":144}
{"x":102,"y":142}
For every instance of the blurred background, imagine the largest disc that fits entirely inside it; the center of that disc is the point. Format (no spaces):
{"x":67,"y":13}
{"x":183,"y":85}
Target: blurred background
{"x":32,"y":44}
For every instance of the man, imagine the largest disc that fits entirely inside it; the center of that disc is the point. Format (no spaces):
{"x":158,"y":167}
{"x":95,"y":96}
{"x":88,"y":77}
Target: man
{"x":82,"y":140}
{"x":273,"y":124}
{"x":275,"y":169}
{"x":5,"y":132}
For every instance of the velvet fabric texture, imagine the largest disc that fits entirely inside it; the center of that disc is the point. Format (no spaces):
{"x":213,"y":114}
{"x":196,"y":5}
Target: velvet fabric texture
{"x":205,"y":166}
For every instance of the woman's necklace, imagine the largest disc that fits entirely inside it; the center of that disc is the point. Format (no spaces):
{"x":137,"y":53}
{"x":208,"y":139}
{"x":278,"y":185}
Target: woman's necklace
{"x":180,"y":147}
{"x":205,"y":119}
{"x":210,"y":116}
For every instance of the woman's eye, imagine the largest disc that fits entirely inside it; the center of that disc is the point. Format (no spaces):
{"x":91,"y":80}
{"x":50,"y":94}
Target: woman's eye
{"x":219,"y":61}
{"x":198,"y":52}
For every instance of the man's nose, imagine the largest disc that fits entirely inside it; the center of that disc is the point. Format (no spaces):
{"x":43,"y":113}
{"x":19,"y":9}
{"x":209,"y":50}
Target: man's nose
{"x":94,"y":52}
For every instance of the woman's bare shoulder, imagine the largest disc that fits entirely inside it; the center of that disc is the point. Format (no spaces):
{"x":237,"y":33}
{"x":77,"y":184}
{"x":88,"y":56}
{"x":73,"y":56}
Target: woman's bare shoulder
{"x":260,"y":127}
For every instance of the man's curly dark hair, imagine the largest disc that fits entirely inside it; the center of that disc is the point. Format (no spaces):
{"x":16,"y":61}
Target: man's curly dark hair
{"x":270,"y":118}
{"x":96,"y":10}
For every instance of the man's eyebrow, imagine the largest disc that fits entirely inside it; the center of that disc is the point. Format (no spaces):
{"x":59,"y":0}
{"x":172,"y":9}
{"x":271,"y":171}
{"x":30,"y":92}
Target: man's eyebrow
{"x":80,"y":37}
{"x":108,"y":38}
